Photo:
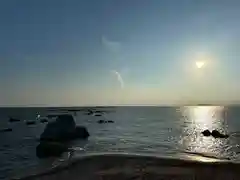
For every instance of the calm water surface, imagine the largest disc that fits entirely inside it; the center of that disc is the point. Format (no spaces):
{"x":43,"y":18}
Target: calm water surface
{"x":164,"y":131}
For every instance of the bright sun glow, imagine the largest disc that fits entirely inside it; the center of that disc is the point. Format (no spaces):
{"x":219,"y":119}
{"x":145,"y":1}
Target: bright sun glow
{"x":200,"y":64}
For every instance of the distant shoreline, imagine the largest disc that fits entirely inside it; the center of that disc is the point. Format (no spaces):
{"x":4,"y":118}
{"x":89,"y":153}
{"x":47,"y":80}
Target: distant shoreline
{"x":114,"y":106}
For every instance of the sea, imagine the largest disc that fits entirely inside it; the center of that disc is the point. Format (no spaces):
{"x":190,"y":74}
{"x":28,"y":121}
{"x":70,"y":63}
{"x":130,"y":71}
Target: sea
{"x":163,"y":131}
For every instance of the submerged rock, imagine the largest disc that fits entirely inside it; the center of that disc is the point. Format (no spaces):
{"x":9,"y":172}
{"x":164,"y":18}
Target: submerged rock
{"x":14,"y":120}
{"x":6,"y":130}
{"x":206,"y":133}
{"x":63,"y":129}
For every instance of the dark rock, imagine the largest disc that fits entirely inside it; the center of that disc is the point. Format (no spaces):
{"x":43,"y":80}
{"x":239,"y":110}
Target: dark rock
{"x":63,"y":129}
{"x":6,"y":130}
{"x":30,"y":122}
{"x":97,"y":114}
{"x":110,"y":121}
{"x":14,"y":120}
{"x":217,"y":134}
{"x":206,"y":133}
{"x":50,"y":149}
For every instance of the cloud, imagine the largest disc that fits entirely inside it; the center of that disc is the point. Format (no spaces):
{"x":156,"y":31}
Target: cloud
{"x":112,"y":46}
{"x":119,"y":78}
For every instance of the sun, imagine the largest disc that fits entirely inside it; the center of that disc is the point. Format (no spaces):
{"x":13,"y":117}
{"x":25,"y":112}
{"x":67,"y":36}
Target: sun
{"x":200,"y":64}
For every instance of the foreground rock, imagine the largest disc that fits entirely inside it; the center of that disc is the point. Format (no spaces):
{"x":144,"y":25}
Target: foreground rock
{"x":50,"y":149}
{"x":120,"y":166}
{"x":63,"y":129}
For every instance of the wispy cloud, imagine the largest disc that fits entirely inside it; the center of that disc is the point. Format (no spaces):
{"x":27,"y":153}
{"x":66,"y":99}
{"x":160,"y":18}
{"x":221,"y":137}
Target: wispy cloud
{"x":112,"y":46}
{"x":119,"y":78}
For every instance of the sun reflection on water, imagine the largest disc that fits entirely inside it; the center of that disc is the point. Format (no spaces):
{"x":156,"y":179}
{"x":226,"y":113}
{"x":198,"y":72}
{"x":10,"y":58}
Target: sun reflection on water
{"x":196,"y":119}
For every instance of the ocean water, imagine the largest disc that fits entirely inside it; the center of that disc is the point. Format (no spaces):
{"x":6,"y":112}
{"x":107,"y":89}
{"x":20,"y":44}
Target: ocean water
{"x":164,"y":131}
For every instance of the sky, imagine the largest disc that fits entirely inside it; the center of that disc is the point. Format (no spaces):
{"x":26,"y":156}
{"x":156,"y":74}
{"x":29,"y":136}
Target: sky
{"x":118,"y":52}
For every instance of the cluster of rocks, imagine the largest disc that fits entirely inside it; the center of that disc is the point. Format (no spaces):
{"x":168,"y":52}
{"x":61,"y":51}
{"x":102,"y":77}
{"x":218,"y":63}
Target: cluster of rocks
{"x":94,"y":112}
{"x":105,"y":121}
{"x":29,"y":122}
{"x":215,"y":134}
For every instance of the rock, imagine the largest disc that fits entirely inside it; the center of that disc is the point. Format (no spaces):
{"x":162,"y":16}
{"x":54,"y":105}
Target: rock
{"x":48,"y":149}
{"x":206,"y":133}
{"x":6,"y":130}
{"x":97,"y":114}
{"x":30,"y":122}
{"x":110,"y":121}
{"x":217,"y":134}
{"x":63,"y":129}
{"x":14,"y":120}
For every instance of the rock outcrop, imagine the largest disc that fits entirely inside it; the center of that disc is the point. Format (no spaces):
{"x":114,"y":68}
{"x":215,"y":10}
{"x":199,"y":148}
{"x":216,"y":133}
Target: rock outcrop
{"x":63,"y":129}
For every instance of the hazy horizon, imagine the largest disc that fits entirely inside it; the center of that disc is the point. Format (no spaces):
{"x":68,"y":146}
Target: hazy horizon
{"x":91,"y":52}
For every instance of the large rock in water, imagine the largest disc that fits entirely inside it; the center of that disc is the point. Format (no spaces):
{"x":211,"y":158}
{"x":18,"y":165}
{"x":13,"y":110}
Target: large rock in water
{"x":50,"y":149}
{"x":63,"y":129}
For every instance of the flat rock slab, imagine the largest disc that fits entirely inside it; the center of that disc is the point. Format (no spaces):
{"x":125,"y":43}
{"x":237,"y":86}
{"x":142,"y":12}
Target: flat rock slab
{"x":126,"y":167}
